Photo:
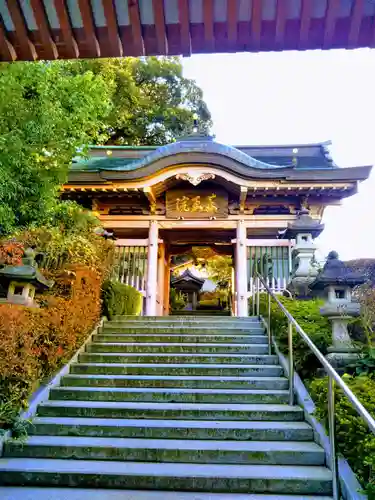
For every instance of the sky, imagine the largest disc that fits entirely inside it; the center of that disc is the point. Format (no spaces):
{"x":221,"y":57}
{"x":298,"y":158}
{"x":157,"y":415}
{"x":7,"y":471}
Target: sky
{"x":302,"y":97}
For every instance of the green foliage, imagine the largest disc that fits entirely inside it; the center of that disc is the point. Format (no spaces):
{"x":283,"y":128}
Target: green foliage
{"x":152,"y":103}
{"x":317,"y":327}
{"x":219,"y":270}
{"x":354,"y":439}
{"x":177,"y":300}
{"x":61,"y":248}
{"x":71,"y":218}
{"x":47,"y":112}
{"x":51,"y":110}
{"x":365,"y":364}
{"x":121,"y":300}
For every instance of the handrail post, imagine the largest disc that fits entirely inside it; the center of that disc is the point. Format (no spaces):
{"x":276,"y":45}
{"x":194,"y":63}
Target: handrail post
{"x":253,"y":294}
{"x":269,"y":324}
{"x":258,"y":291}
{"x":291,"y":365}
{"x":332,"y":438}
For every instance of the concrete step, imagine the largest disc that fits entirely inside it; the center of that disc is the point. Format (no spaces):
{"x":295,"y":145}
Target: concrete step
{"x":183,"y":411}
{"x":172,"y":429}
{"x":167,"y":329}
{"x":237,"y":359}
{"x":164,"y":450}
{"x":176,"y":319}
{"x":312,"y":480}
{"x":203,"y":312}
{"x":176,"y":395}
{"x":31,"y":493}
{"x":271,"y":383}
{"x":178,"y":338}
{"x":176,"y":369}
{"x":175,"y":348}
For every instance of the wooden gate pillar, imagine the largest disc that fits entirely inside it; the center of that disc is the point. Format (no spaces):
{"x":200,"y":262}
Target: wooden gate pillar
{"x":152,"y":269}
{"x":242,"y":308}
{"x":160,"y":282}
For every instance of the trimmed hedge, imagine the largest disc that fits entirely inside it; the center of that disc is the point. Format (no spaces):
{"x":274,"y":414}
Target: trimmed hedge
{"x":308,"y":316}
{"x":36,"y":342}
{"x":354,"y":439}
{"x":121,"y":300}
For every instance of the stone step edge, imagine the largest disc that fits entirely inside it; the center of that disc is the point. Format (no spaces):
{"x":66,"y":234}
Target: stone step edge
{"x":22,"y":492}
{"x":154,"y":469}
{"x":182,"y":335}
{"x":182,"y":365}
{"x":217,"y":378}
{"x":177,"y":344}
{"x":168,"y":444}
{"x":260,"y":407}
{"x":182,"y":355}
{"x":170,"y":390}
{"x":165,"y":423}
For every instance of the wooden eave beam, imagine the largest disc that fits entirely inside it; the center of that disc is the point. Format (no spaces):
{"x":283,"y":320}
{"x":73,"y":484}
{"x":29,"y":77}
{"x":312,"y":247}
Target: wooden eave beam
{"x":256,"y":24}
{"x":306,"y":10}
{"x":232,"y":16}
{"x":184,"y":20}
{"x":330,"y":24}
{"x":136,"y":26}
{"x":208,"y":20}
{"x":66,"y":29}
{"x":149,"y":192}
{"x":6,"y":48}
{"x":112,"y":27}
{"x":243,"y":196}
{"x":280,"y":22}
{"x":159,"y":19}
{"x":89,"y":27}
{"x":44,"y":29}
{"x":355,"y":23}
{"x":27,"y":48}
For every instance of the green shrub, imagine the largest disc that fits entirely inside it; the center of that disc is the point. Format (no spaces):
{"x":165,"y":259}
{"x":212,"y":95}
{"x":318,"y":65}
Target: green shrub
{"x":308,"y":316}
{"x":178,"y":300}
{"x":121,"y":300}
{"x":354,"y":439}
{"x":209,"y":302}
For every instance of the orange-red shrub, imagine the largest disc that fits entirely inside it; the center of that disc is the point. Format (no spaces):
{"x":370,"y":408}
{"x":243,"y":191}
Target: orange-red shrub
{"x":11,"y":252}
{"x":34,"y":343}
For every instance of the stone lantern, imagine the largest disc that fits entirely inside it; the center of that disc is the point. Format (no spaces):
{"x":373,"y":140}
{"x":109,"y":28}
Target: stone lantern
{"x":304,"y":230}
{"x":336,"y":281}
{"x":22,"y":281}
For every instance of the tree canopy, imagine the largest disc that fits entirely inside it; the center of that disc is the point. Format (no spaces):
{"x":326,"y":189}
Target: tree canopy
{"x":152,"y":102}
{"x":46,"y":114}
{"x":51,"y":110}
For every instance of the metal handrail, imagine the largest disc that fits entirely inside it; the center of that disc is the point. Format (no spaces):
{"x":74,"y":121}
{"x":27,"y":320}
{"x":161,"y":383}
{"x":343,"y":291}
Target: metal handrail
{"x":333,"y":376}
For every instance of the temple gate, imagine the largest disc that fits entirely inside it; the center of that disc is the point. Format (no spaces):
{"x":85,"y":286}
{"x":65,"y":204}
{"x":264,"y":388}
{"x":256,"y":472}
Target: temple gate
{"x":240,"y":201}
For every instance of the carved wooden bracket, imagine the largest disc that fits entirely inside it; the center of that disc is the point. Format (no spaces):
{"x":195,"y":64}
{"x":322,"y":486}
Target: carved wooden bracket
{"x":195,"y":179}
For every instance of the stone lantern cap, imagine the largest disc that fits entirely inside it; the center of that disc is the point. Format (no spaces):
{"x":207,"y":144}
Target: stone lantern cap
{"x":303,"y":224}
{"x":335,"y":272}
{"x":27,"y":272}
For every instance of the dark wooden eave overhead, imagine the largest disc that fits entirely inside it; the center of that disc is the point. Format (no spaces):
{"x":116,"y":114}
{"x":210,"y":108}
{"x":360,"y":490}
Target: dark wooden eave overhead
{"x":63,"y":29}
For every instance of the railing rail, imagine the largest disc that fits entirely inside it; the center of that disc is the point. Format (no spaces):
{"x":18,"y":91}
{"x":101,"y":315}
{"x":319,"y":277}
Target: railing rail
{"x":333,"y":377}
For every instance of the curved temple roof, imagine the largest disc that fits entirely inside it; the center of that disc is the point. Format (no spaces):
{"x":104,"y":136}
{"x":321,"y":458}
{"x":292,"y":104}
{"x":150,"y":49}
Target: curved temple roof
{"x":204,"y":145}
{"x":300,"y":162}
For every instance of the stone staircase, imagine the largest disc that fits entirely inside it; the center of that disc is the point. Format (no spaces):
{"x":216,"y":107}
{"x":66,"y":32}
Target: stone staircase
{"x":173,"y":404}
